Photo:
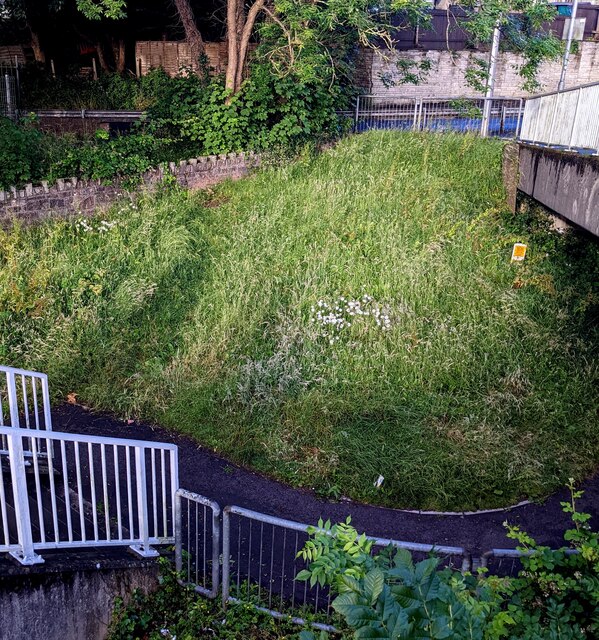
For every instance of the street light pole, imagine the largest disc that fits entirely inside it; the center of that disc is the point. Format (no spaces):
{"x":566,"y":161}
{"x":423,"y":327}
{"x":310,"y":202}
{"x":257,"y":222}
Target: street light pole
{"x":484,"y":127}
{"x":566,"y":59}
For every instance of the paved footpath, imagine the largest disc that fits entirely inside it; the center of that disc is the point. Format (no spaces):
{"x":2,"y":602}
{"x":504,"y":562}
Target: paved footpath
{"x":203,"y":472}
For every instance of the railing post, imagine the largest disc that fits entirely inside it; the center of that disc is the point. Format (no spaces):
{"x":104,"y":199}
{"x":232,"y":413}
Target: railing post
{"x":519,"y":121}
{"x":143,"y":549}
{"x":178,"y":534}
{"x":419,"y":107}
{"x":357,"y":115}
{"x":226,"y":555}
{"x":216,"y":550}
{"x":575,"y":119}
{"x":26,"y":555}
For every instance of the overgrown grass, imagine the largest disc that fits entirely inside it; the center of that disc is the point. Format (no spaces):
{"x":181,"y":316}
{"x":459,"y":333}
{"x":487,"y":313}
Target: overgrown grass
{"x":195,"y":311}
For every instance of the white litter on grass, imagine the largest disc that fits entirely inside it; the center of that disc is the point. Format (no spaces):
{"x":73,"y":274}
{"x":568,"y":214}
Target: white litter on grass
{"x":379,"y":481}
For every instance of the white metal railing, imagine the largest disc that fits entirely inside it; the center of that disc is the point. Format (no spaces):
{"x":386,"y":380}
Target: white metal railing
{"x":24,"y":401}
{"x":488,"y":116}
{"x":564,"y":119}
{"x":84,"y":491}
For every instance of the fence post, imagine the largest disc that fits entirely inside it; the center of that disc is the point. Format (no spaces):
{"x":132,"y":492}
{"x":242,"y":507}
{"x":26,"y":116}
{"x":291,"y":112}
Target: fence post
{"x":575,"y":119}
{"x":357,"y":115}
{"x":10,"y":107}
{"x":143,"y":549}
{"x":519,"y":121}
{"x":26,"y":555}
{"x":226,"y":554}
{"x":419,"y":107}
{"x":178,"y":533}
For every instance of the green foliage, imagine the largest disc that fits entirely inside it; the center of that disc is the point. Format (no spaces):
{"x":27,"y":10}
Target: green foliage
{"x":106,"y":158}
{"x":194,"y":311}
{"x":97,"y":9}
{"x":186,"y":116}
{"x":174,"y":611}
{"x":555,"y":595}
{"x":523,"y":29}
{"x":21,"y":154}
{"x":335,"y":552}
{"x":267,"y":113}
{"x":111,"y":91}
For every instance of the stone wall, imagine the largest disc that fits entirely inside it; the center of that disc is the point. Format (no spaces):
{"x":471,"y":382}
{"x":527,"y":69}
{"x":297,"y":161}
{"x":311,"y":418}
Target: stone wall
{"x":446,"y":78}
{"x":57,"y":601}
{"x":72,"y":197}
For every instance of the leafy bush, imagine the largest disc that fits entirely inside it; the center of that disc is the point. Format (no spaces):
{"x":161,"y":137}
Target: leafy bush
{"x":554,"y":596}
{"x":186,"y":116}
{"x":174,"y":611}
{"x":104,"y":158}
{"x":22,"y":157}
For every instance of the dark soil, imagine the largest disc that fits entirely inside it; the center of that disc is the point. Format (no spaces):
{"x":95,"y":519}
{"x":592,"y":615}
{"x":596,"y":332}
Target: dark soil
{"x":203,"y":472}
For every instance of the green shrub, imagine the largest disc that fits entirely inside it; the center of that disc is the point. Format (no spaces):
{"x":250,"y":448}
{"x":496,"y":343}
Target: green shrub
{"x":554,"y":597}
{"x":186,"y":116}
{"x":22,"y":157}
{"x":174,"y":611}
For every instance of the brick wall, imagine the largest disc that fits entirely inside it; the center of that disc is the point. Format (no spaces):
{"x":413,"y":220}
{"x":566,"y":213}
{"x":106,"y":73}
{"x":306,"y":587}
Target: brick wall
{"x":446,"y":77}
{"x":72,"y":197}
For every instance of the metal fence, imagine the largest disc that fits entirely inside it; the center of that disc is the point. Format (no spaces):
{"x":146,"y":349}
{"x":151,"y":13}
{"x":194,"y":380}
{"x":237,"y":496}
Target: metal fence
{"x":260,"y":562}
{"x":9,"y":90}
{"x":84,"y":491}
{"x":197,"y":542}
{"x":502,"y":117}
{"x":565,"y":119}
{"x":24,"y":401}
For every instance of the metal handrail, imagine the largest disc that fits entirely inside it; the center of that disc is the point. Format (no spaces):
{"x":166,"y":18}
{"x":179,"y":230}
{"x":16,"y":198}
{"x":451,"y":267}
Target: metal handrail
{"x":566,"y":90}
{"x":87,"y":502}
{"x":565,"y":120}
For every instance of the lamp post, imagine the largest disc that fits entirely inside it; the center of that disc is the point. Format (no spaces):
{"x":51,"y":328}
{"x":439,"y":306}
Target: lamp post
{"x":566,"y":59}
{"x":484,"y":127}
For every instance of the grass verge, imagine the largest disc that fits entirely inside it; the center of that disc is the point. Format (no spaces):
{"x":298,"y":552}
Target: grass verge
{"x":464,"y":380}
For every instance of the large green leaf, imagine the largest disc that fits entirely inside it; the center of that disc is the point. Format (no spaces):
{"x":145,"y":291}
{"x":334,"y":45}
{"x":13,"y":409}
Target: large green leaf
{"x":373,"y":584}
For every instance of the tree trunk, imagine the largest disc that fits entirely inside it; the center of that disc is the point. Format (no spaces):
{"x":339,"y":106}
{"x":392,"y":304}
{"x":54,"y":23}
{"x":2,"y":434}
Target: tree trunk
{"x":102,"y":58}
{"x":244,"y":42}
{"x":192,"y":33}
{"x":118,"y":49}
{"x":38,"y":52}
{"x":239,"y":32}
{"x":232,"y":43}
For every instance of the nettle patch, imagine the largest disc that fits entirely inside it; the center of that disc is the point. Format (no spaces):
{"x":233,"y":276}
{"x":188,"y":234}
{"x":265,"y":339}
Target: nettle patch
{"x":333,"y":318}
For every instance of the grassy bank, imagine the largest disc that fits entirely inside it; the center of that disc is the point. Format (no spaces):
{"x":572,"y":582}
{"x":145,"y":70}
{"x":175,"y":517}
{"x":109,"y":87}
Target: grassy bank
{"x":331,"y":321}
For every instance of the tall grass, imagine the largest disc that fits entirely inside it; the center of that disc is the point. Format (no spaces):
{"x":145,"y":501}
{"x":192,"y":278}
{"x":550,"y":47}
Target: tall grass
{"x":195,"y":311}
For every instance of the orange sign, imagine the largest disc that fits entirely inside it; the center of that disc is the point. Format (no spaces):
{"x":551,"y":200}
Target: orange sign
{"x":518,"y":252}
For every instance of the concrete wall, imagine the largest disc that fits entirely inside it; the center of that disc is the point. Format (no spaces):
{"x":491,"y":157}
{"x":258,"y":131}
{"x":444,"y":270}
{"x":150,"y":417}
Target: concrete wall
{"x":447,"y":75}
{"x":71,"y":197}
{"x":68,"y":604}
{"x":568,"y":183}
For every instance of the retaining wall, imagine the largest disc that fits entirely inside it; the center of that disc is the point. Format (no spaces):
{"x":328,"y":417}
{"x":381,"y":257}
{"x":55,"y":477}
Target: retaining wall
{"x":72,"y":197}
{"x":57,"y":601}
{"x":566,"y":182}
{"x":446,"y":78}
